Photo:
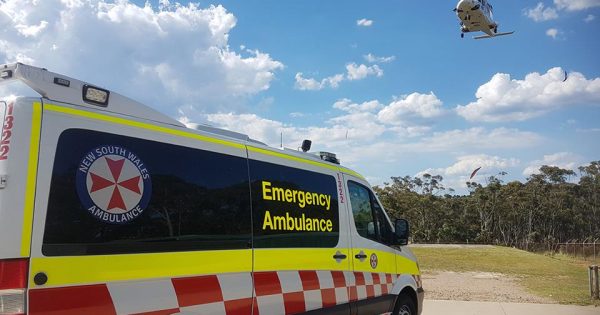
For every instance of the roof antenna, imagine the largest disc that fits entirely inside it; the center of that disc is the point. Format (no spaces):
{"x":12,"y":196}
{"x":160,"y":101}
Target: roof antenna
{"x":281,"y":140}
{"x":346,"y":134}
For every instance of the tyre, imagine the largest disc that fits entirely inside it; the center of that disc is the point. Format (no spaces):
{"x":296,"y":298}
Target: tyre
{"x":405,"y":305}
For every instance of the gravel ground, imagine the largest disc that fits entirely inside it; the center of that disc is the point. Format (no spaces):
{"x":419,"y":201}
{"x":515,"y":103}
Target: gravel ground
{"x":476,"y":286}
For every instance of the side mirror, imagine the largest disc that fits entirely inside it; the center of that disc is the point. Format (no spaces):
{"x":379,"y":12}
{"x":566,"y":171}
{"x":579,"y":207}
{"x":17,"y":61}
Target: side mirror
{"x":402,"y":232}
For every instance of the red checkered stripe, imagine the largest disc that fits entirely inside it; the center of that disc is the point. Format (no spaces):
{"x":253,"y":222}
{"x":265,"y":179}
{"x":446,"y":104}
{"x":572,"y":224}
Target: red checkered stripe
{"x":282,"y":292}
{"x":291,"y":292}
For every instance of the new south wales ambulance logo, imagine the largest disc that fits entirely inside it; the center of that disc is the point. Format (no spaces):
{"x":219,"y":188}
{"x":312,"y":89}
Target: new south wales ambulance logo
{"x":113,"y":184}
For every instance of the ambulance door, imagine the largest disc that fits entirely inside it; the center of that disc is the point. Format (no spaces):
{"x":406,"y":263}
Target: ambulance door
{"x":301,"y":256}
{"x":20,"y":121}
{"x":137,"y":218}
{"x":374,"y":262}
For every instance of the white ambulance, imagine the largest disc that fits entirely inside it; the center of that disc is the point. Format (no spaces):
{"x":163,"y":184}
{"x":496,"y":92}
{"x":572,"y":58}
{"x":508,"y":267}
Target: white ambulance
{"x":109,"y":207}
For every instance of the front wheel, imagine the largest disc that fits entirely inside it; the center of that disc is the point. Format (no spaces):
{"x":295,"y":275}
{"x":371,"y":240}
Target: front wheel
{"x":405,"y":306}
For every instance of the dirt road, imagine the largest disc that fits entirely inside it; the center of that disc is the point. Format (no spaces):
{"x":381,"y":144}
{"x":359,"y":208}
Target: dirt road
{"x":476,"y":286}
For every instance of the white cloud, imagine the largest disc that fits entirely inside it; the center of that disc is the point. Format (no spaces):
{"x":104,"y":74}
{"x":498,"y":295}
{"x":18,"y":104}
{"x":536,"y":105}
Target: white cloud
{"x":311,"y":84}
{"x":453,"y":142}
{"x":589,"y":18}
{"x":400,"y":117}
{"x":489,"y":164}
{"x":175,"y":52}
{"x":475,"y":139}
{"x":411,"y":106}
{"x":410,"y":131}
{"x":359,"y":72}
{"x":364,"y":22}
{"x":31,"y":30}
{"x":576,"y":5}
{"x":297,"y":115}
{"x":351,"y":133}
{"x":403,"y":116}
{"x":359,"y":137}
{"x":375,"y":59}
{"x":457,"y":174}
{"x":334,"y":81}
{"x":256,"y":127}
{"x":506,"y":99}
{"x":552,"y":32}
{"x":587,"y":130}
{"x":360,"y":125}
{"x":348,"y":106}
{"x":564,"y":160}
{"x":353,"y":72}
{"x":541,"y":13}
{"x":357,"y":127}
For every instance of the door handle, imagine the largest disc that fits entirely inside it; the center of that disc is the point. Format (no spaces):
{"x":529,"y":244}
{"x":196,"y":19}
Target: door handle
{"x":339,"y":256}
{"x":361,"y":256}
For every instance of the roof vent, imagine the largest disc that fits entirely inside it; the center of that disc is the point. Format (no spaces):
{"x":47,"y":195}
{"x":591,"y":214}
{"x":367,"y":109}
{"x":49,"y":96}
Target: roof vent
{"x":329,"y":157}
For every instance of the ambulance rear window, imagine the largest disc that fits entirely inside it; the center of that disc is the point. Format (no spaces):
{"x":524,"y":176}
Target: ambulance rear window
{"x":112,"y":194}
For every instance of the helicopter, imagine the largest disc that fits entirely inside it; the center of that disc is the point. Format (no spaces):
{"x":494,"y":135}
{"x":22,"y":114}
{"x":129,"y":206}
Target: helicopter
{"x":477,"y":16}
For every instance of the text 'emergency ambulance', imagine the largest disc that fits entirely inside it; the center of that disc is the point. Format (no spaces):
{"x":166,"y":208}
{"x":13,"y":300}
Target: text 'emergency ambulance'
{"x":302,"y":222}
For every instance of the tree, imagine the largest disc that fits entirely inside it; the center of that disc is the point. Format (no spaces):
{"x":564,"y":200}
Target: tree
{"x":548,"y":208}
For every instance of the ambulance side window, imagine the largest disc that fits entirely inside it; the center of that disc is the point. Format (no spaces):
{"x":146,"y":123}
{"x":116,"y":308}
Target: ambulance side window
{"x":385,"y":229}
{"x":369,"y":218}
{"x":113,"y":194}
{"x":362,"y":211}
{"x":293,"y":207}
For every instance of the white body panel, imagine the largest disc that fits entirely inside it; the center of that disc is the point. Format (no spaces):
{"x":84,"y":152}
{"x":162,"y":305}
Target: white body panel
{"x":43,"y":83}
{"x":14,"y":170}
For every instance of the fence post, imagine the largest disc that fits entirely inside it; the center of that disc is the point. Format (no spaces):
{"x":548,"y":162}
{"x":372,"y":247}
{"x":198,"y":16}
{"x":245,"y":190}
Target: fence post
{"x":569,"y":249}
{"x":596,"y":283}
{"x":591,"y":281}
{"x":574,"y":252}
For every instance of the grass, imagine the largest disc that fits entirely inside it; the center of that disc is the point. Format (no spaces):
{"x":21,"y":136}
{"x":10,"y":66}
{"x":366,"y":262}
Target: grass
{"x":557,"y":277}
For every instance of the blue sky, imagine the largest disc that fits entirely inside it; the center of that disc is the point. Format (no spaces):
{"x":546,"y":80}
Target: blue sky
{"x":401,"y":84}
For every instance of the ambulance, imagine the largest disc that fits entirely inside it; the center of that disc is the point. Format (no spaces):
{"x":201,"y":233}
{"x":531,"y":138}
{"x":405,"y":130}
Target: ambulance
{"x":110,"y":207}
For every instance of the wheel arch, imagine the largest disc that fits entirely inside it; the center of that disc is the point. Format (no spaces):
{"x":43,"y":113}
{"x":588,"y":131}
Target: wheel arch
{"x":411,"y":293}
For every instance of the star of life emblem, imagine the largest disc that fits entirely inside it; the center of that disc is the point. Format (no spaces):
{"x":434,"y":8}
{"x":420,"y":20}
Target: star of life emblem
{"x":373,"y":261}
{"x":113,"y":184}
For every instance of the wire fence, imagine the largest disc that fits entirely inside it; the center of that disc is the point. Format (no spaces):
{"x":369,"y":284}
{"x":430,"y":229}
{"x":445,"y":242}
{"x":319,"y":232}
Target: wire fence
{"x":586,"y":250}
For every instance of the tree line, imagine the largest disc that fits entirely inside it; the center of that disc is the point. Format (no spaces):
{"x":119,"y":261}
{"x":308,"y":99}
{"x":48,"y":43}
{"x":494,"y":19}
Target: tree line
{"x":550,"y":207}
